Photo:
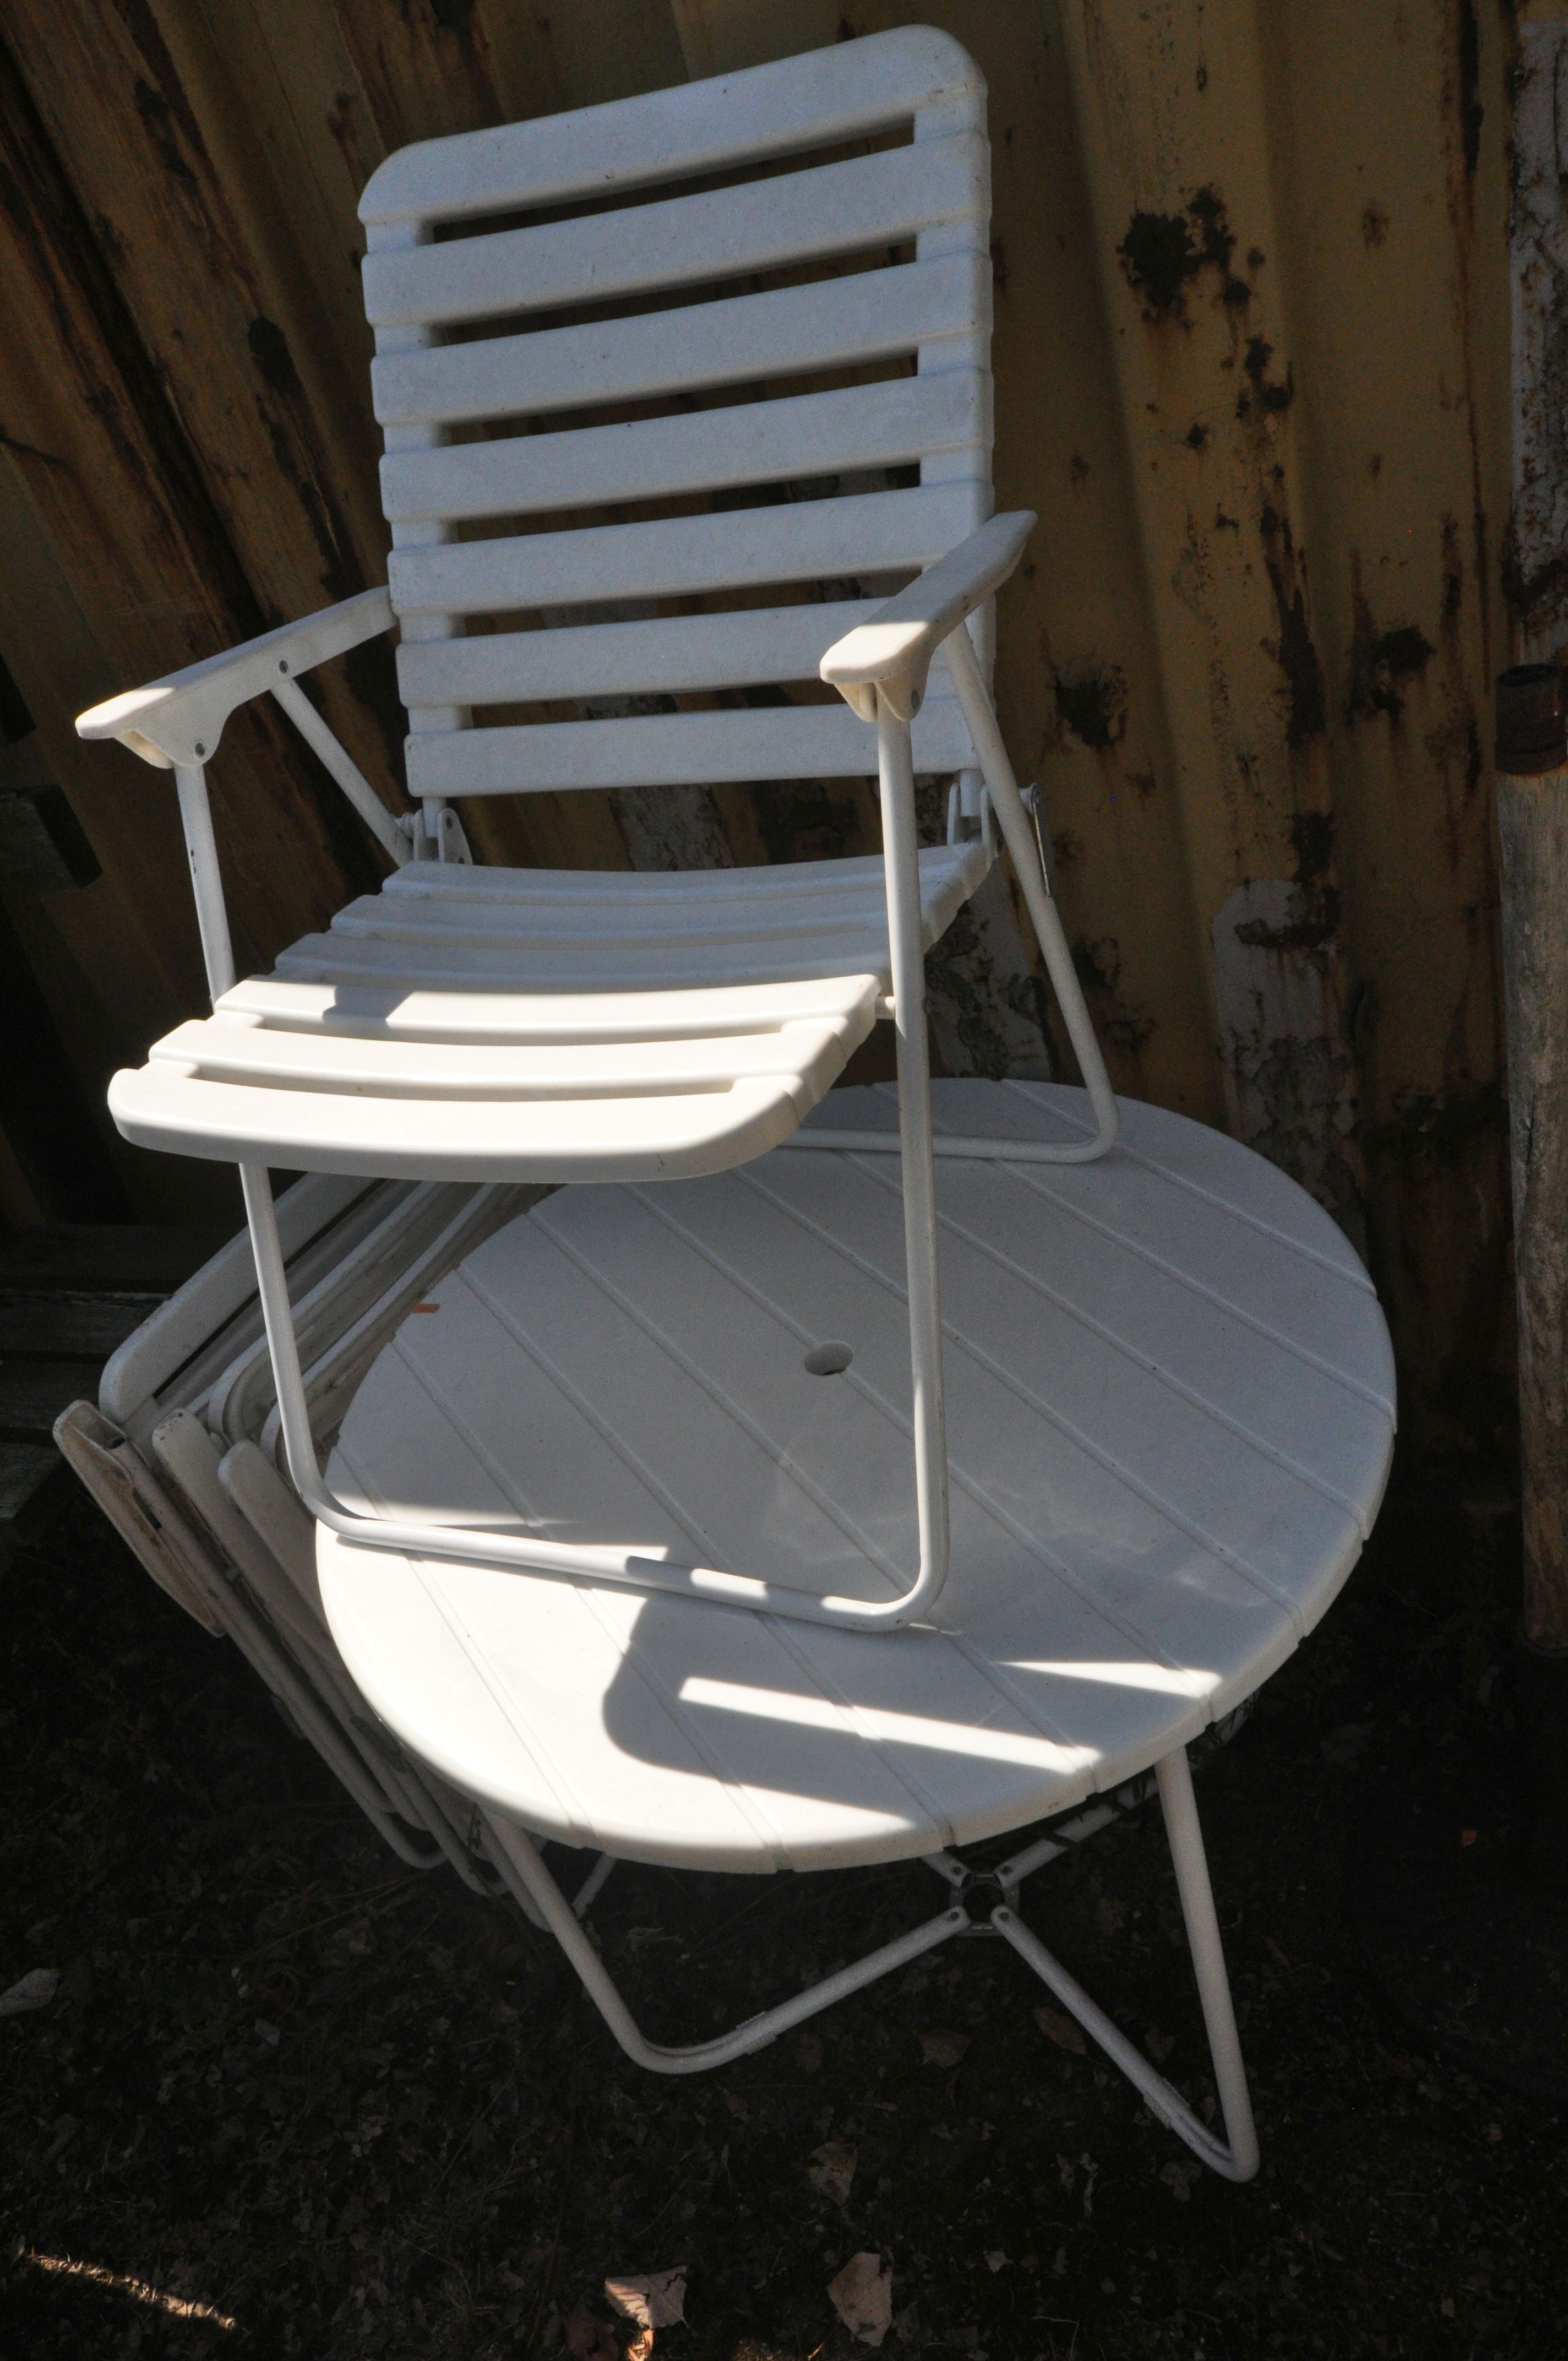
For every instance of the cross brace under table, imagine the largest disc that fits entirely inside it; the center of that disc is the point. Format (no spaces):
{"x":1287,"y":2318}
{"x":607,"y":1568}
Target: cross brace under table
{"x":983,"y":1904}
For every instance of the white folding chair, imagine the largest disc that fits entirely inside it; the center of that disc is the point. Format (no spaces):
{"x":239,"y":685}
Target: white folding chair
{"x":599,"y":1541}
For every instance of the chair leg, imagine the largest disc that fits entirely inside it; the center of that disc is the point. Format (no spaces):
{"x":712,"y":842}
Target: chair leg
{"x":1236,"y":2156}
{"x":901,"y":865}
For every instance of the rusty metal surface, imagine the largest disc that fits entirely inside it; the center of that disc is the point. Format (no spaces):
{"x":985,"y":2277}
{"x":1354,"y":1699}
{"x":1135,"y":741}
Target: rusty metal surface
{"x":1251,"y":349}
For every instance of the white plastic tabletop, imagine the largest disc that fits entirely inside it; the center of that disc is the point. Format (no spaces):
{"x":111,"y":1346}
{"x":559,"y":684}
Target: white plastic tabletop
{"x":1170,"y":1409}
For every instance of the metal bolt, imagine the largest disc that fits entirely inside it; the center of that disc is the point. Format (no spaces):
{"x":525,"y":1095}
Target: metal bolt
{"x":200,"y":748}
{"x":282,"y":663}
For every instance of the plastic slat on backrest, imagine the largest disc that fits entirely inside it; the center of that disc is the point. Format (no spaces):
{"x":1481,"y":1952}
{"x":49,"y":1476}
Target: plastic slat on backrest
{"x":853,"y":217}
{"x":877,"y":532}
{"x":853,"y":427}
{"x":824,"y":97}
{"x":878,"y":200}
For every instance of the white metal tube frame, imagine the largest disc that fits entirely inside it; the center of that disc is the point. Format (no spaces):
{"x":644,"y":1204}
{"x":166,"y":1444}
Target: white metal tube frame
{"x":1018,"y":834}
{"x":629,"y":1567}
{"x":984,"y":1903}
{"x":892,"y":701}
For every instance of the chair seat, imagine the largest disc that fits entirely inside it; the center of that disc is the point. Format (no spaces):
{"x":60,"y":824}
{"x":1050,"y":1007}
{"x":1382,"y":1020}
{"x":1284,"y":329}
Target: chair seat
{"x":470,"y":1024}
{"x":1169,"y":1398}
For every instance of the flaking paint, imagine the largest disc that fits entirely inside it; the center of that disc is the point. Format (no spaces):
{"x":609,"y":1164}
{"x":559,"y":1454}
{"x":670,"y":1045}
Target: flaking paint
{"x":1251,"y":358}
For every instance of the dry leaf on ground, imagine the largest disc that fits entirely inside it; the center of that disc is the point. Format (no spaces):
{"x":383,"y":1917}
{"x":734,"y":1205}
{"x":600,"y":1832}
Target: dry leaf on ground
{"x":35,"y":1990}
{"x":1064,"y":2030}
{"x":862,"y":2295}
{"x":653,"y":2299}
{"x":943,"y":2048}
{"x":832,"y":2170}
{"x":996,"y":2260}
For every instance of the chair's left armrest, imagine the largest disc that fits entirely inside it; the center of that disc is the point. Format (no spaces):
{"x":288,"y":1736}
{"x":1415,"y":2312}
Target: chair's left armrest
{"x":176,"y":722}
{"x":892,"y":651}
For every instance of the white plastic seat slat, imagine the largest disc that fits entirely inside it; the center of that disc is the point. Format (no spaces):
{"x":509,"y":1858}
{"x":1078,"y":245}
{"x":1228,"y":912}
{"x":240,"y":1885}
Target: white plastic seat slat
{"x":820,"y":99}
{"x":351,"y":959}
{"x":842,"y":208}
{"x":435,"y":922}
{"x":867,"y":315}
{"x":866,"y":534}
{"x":593,"y":891}
{"x":221,"y":1049}
{"x":881,"y":426}
{"x":659,"y":1096}
{"x":408,"y":1013}
{"x":416,"y":935}
{"x":802,"y":742}
{"x":664,"y":1137}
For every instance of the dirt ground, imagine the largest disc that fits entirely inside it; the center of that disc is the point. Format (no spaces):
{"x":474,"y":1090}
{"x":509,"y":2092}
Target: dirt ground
{"x":293,"y":2098}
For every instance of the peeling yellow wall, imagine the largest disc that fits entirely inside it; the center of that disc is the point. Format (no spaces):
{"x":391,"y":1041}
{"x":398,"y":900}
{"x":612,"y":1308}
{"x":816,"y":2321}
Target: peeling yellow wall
{"x":1252,"y":372}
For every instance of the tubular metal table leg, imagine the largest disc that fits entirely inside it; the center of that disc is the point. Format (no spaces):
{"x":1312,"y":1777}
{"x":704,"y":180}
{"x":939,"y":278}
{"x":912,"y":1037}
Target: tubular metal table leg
{"x":1236,"y":2156}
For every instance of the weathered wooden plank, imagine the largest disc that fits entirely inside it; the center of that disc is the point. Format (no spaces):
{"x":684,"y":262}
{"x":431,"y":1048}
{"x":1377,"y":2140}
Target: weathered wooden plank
{"x":1532,"y":826}
{"x":107,"y":456}
{"x":135,"y":1259}
{"x":67,"y":1326}
{"x":32,"y":1476}
{"x":34,"y":1392}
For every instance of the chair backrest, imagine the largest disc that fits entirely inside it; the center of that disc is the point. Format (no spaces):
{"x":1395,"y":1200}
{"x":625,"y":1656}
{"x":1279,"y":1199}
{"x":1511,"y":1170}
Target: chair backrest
{"x":672,"y":388}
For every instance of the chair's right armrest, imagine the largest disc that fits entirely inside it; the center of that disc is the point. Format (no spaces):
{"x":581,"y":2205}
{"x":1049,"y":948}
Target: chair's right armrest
{"x":176,"y":722}
{"x":891,"y":652}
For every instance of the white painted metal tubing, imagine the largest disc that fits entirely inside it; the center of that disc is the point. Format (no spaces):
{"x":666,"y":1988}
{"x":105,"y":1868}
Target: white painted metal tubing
{"x":212,"y":917}
{"x":902,"y":872}
{"x":900,"y":865}
{"x":958,"y":652}
{"x":1010,"y":1874}
{"x":1162,"y":2099}
{"x":337,"y":759}
{"x":1186,"y":1837}
{"x":964,"y":666}
{"x":694,"y":2057}
{"x":473,"y":1546}
{"x":593,"y":1886}
{"x":1235,"y":2157}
